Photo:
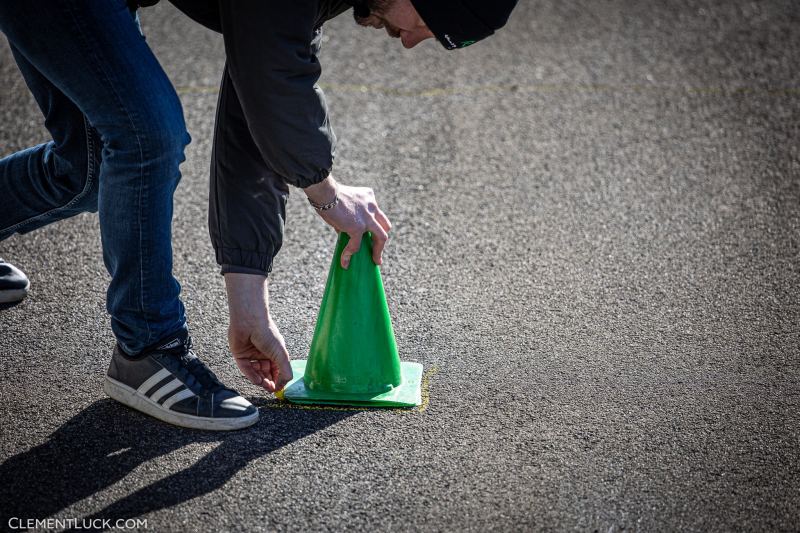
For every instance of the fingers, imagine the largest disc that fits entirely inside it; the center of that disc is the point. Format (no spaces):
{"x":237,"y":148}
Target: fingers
{"x":259,"y":373}
{"x":267,"y":373}
{"x":352,"y":247}
{"x":271,"y":360}
{"x":357,"y":213}
{"x":250,"y":372}
{"x":267,"y":365}
{"x":266,"y":369}
{"x":382,"y":220}
{"x":379,"y":238}
{"x":380,"y":230}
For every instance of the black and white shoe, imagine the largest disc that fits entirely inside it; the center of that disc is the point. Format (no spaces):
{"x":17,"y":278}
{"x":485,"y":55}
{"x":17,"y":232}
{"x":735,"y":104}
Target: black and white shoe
{"x":172,"y":384}
{"x":14,"y":283}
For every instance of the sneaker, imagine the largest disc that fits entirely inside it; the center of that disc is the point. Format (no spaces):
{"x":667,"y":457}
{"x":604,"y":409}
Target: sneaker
{"x":172,"y":384}
{"x":14,"y":283}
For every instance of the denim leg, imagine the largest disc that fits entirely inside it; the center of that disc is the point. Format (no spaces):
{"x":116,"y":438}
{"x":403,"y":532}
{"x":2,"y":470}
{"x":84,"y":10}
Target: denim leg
{"x":94,"y":54}
{"x":53,"y":180}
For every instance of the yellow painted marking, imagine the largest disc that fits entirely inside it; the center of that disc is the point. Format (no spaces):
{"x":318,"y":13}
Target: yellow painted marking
{"x":426,"y":386}
{"x":426,"y":400}
{"x":536,"y":88}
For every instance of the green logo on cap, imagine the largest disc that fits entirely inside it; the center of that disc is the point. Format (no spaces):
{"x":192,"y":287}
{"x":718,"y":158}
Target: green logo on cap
{"x":464,"y":44}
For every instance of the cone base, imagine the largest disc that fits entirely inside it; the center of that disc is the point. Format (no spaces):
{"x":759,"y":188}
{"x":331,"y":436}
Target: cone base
{"x":407,"y":394}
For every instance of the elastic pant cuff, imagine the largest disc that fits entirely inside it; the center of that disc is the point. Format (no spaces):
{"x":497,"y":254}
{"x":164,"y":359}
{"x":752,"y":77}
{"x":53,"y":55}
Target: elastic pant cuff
{"x":233,"y":269}
{"x":233,"y":260}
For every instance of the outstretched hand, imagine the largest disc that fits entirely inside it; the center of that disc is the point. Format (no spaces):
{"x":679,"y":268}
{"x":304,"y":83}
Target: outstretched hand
{"x":255,"y":342}
{"x":356,"y":213}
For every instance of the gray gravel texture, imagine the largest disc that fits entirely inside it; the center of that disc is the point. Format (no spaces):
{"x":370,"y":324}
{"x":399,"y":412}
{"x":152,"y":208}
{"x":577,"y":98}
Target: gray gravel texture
{"x":595,"y":255}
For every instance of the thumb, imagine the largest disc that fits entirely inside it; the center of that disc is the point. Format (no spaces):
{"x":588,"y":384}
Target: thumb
{"x":353,"y":246}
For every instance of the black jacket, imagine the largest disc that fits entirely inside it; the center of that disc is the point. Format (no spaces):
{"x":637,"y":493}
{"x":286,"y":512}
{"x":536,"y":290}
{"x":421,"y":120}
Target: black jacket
{"x":270,"y":48}
{"x":272,"y":125}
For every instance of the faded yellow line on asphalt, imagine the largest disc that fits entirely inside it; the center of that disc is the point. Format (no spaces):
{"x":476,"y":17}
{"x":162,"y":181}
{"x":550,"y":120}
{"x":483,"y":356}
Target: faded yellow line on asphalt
{"x":426,"y":386}
{"x":426,"y":400}
{"x":537,"y":88}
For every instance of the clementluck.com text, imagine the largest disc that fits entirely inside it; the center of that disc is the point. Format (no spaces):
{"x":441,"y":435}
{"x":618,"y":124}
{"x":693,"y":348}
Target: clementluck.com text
{"x":15,"y":523}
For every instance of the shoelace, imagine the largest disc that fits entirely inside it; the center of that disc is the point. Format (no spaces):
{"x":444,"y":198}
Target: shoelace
{"x":203,"y":374}
{"x":193,"y":370}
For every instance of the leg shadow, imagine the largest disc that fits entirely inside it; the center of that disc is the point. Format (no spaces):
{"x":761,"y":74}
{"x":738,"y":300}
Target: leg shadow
{"x":9,"y":305}
{"x":106,"y":441}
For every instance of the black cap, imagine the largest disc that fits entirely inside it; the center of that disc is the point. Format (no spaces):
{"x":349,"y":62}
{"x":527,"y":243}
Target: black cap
{"x":460,"y":23}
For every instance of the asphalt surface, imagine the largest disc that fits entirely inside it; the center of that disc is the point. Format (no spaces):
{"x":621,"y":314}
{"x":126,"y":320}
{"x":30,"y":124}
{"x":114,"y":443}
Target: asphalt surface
{"x":595,"y":255}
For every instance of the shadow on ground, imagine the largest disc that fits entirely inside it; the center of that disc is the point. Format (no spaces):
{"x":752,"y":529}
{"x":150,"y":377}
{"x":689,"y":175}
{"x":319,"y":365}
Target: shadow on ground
{"x":9,"y":305}
{"x":106,"y":441}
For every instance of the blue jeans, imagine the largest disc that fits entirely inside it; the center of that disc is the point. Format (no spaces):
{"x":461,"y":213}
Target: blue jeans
{"x":118,"y":139}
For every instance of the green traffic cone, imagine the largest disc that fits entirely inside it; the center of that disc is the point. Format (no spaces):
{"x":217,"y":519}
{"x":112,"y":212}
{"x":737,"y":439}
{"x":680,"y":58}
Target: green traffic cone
{"x":353,"y":358}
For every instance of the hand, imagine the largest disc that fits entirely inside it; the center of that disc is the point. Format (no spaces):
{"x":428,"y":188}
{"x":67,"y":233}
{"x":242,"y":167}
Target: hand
{"x":255,"y":342}
{"x":355,"y":214}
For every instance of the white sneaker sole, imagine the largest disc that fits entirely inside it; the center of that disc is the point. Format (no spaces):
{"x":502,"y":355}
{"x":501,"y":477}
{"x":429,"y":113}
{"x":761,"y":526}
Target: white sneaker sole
{"x":14,"y":295}
{"x":130,"y":397}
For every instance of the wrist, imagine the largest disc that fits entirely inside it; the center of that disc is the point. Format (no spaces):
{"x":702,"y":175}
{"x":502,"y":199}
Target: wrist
{"x":322,"y":193}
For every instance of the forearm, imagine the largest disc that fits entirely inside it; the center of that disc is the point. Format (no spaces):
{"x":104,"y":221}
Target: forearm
{"x":248,"y":299}
{"x":255,"y":342}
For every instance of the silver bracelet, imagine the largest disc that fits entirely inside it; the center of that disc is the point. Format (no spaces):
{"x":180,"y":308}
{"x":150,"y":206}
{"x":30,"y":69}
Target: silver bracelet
{"x":324,"y":207}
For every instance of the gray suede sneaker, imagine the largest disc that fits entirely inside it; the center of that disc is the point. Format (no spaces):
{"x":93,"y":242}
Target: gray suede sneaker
{"x":172,"y":384}
{"x":14,"y":283}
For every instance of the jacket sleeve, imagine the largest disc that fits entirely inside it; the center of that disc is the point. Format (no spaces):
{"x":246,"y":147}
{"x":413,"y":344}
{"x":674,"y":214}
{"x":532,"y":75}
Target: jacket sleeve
{"x":270,"y":48}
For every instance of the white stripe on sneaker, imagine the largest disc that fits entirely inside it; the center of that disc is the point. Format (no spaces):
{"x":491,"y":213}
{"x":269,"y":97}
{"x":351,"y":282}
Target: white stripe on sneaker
{"x":182,"y":395}
{"x":152,"y":380}
{"x":237,"y":403}
{"x":166,"y":389}
{"x":128,"y":396}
